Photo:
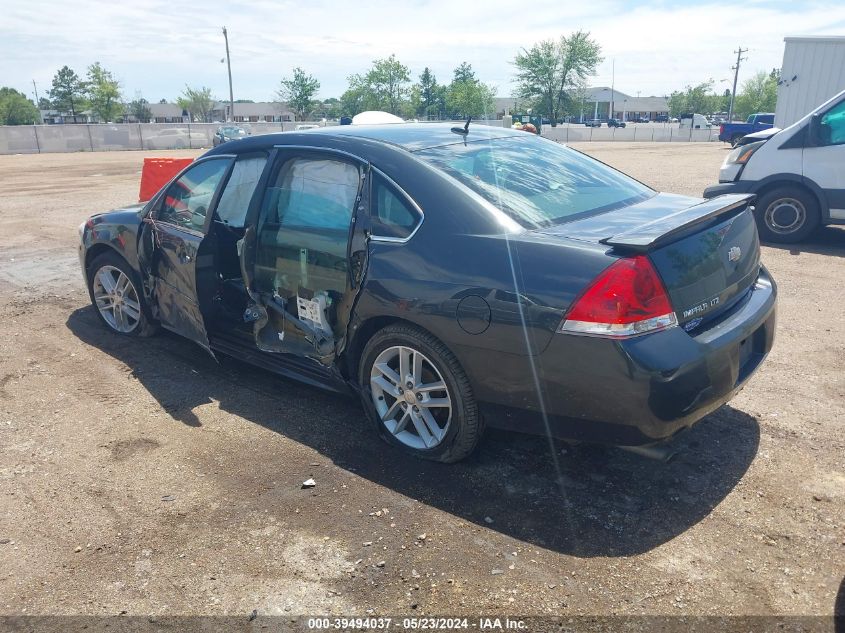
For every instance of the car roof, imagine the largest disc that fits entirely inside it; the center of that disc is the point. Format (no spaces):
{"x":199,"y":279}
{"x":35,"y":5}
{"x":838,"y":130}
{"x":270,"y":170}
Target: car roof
{"x":410,"y":136}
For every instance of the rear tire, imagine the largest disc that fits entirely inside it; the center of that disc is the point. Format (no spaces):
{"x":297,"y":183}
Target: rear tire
{"x":410,"y":411}
{"x":786,"y":215}
{"x":735,"y":139}
{"x":117,"y":296}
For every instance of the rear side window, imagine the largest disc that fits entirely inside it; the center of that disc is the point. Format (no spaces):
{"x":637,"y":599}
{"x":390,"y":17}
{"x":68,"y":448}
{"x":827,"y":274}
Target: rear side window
{"x":235,"y":198}
{"x":304,"y":228}
{"x":314,"y":194}
{"x":392,"y":215}
{"x":766,"y":118}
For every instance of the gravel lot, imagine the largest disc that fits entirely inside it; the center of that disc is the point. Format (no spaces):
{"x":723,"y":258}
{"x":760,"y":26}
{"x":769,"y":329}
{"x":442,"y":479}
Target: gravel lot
{"x":141,"y":477}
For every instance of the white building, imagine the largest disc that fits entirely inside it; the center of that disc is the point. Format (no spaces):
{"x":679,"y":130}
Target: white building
{"x":813,"y":70}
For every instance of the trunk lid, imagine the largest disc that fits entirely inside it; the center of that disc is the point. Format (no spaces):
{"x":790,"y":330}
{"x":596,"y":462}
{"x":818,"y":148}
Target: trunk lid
{"x":706,"y":252}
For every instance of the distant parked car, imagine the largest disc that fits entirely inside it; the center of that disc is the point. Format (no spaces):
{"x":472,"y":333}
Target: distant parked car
{"x":593,"y":122}
{"x":228,"y":133}
{"x":694,"y":121}
{"x":306,"y":126}
{"x":642,"y":119}
{"x":176,"y":138}
{"x":662,"y":118}
{"x":615,"y":123}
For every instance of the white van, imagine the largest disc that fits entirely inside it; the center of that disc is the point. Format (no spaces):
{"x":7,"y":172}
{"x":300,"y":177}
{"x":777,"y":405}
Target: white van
{"x":695,"y":121}
{"x":798,"y":174}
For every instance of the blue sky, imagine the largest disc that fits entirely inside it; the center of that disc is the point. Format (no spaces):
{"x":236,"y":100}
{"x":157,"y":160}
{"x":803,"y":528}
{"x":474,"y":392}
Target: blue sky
{"x":155,"y":47}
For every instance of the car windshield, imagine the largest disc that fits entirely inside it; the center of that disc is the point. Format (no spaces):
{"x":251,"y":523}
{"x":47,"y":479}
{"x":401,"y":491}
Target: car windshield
{"x":537,"y":182}
{"x":233,"y":131}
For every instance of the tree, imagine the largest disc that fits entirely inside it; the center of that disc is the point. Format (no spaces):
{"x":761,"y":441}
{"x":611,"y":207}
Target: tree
{"x":383,"y":87}
{"x":45,"y":104}
{"x":330,"y":108}
{"x":103,"y":92}
{"x":467,"y":96}
{"x":758,"y":94}
{"x":140,"y":109}
{"x":68,"y":92}
{"x":550,"y":69}
{"x":198,"y":102}
{"x":357,"y":97}
{"x":695,"y":99}
{"x":388,"y":79}
{"x":16,"y":109}
{"x":431,"y":96}
{"x":298,"y":91}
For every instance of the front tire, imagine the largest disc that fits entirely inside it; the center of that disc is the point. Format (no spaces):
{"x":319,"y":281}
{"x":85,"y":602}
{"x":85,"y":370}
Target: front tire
{"x":786,"y":215}
{"x":417,"y":395}
{"x":117,"y":296}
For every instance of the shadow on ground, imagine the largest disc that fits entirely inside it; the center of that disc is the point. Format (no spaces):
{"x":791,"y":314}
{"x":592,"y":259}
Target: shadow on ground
{"x":827,"y":240}
{"x":601,"y":501}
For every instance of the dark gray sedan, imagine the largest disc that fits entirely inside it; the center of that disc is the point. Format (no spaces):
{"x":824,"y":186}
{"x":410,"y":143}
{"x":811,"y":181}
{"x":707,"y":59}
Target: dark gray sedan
{"x":452,"y":277}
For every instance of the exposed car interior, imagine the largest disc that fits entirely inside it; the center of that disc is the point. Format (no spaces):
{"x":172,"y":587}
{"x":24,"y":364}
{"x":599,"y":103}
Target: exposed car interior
{"x":300,"y":268}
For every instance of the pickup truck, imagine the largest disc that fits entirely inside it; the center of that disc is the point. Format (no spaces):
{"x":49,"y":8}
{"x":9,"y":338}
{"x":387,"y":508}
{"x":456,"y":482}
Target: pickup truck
{"x":732,"y":132}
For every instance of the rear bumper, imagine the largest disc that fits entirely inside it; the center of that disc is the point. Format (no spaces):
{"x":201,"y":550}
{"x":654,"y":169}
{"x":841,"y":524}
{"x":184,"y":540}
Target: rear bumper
{"x":640,"y":390}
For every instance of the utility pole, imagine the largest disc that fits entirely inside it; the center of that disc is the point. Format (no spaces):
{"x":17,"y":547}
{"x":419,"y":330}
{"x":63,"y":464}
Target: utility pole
{"x":612,"y":86}
{"x":34,"y":87}
{"x":229,"y":67}
{"x":739,"y":59}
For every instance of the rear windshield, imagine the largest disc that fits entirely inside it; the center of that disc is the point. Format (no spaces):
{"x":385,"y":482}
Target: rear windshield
{"x":537,"y":182}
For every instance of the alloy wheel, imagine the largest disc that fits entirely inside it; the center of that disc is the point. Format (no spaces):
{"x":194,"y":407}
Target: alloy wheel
{"x":116,"y":299}
{"x":411,"y":397}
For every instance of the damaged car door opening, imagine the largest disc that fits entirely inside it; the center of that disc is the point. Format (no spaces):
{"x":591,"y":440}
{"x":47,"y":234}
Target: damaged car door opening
{"x":451,"y":281}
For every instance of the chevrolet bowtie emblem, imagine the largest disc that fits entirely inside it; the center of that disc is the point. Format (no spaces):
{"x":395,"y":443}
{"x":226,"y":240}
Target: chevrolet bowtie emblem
{"x":734,"y":254}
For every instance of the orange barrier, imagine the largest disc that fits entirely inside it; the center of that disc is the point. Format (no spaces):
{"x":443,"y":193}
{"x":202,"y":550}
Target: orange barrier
{"x":157,"y":172}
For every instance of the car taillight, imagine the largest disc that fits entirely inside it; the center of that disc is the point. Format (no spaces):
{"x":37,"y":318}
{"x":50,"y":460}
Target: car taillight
{"x":721,"y":129}
{"x":626,"y":299}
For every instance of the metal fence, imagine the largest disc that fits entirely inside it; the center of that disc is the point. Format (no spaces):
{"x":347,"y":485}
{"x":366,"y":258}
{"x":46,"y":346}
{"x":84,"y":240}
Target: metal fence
{"x":574,"y":133}
{"x":33,"y":139}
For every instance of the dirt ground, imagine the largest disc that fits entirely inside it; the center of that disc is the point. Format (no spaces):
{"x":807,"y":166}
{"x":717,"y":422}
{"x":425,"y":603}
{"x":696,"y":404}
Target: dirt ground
{"x":142,"y":477}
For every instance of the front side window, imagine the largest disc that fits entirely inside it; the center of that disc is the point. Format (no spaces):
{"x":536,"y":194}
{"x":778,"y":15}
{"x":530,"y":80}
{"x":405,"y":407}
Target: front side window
{"x":391,"y":213}
{"x":187,"y":199}
{"x":832,"y":127}
{"x":537,"y":182}
{"x":234,"y":201}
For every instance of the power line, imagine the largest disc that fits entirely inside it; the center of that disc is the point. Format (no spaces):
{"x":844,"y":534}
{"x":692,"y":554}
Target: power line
{"x":739,"y":59}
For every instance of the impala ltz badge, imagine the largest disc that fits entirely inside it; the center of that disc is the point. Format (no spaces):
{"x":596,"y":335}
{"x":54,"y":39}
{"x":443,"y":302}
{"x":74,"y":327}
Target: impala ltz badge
{"x":734,"y":254}
{"x":704,"y":306}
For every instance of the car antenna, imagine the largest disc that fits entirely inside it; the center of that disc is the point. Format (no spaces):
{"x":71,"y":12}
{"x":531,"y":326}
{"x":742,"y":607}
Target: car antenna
{"x":463,"y":131}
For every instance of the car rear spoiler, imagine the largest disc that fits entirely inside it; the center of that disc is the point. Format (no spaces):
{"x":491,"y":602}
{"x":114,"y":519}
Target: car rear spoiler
{"x":671,"y":227}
